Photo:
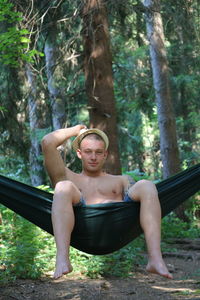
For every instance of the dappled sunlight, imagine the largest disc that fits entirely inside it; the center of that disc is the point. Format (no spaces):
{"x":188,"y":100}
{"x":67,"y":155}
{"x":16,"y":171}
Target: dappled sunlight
{"x":179,"y":288}
{"x":98,"y":51}
{"x":174,"y":289}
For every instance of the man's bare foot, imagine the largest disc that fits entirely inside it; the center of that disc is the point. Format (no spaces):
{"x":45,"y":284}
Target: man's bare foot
{"x":63,"y":267}
{"x":158,"y":267}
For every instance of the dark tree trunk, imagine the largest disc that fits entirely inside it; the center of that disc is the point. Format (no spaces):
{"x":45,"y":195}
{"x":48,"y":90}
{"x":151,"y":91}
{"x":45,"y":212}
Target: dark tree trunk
{"x":99,"y":77}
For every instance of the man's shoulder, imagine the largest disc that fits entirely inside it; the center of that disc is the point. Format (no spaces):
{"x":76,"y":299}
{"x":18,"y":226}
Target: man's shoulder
{"x":122,"y":178}
{"x":126,"y":179}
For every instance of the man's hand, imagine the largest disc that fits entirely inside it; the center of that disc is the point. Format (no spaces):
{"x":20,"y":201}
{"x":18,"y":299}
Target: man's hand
{"x":79,"y":128}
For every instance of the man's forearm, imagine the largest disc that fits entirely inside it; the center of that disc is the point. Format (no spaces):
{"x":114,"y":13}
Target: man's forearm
{"x":58,"y":137}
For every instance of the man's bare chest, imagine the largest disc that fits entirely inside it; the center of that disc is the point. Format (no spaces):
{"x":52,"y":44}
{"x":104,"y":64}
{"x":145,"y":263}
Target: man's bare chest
{"x":101,"y":188}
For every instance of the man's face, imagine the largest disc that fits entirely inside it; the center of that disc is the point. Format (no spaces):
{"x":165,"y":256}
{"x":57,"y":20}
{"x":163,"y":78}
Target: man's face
{"x":93,"y":154}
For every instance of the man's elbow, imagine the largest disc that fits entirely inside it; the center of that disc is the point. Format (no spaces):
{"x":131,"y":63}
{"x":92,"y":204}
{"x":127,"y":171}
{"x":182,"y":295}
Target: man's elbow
{"x":46,"y":142}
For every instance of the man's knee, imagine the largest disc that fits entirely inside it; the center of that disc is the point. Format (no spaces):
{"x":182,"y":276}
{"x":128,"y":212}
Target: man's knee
{"x":68,"y":190}
{"x":141,"y":189}
{"x":146,"y":184}
{"x":65,"y":186}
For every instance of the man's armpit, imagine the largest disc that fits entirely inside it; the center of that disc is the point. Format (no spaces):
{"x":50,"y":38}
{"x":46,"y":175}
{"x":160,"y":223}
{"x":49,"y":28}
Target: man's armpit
{"x":131,"y":181}
{"x":128,"y":182}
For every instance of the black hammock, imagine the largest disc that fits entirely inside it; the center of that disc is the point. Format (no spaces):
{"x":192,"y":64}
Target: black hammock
{"x":99,"y":228}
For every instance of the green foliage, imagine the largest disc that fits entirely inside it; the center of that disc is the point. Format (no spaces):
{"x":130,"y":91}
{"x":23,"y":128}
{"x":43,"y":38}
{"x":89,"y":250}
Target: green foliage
{"x":137,"y":118}
{"x":14,"y":46}
{"x":173,"y":227}
{"x":118,"y":264}
{"x":7,"y":13}
{"x":137,"y":174}
{"x":26,"y":251}
{"x":14,"y":167}
{"x":2,"y":109}
{"x":14,"y":41}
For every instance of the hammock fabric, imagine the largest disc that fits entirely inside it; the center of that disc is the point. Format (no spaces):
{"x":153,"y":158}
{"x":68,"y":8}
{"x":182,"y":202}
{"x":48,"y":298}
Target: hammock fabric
{"x":99,"y":228}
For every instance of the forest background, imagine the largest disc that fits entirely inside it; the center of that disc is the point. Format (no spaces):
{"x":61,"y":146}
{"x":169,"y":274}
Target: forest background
{"x":130,"y":68}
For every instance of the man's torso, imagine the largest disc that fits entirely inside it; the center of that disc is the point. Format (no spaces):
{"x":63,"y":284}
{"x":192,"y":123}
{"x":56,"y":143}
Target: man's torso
{"x":100,"y":189}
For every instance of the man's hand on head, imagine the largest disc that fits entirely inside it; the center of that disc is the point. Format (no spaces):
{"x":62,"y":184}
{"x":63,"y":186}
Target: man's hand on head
{"x":79,"y":127}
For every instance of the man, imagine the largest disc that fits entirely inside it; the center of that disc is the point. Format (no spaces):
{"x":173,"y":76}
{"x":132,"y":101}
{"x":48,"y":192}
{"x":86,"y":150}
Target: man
{"x":94,"y":185}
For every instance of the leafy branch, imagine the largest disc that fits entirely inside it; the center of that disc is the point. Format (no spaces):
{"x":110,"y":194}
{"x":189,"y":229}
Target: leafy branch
{"x":14,"y":41}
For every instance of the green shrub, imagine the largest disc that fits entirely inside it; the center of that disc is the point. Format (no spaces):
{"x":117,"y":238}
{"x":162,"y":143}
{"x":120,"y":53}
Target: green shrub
{"x":26,"y":250}
{"x":173,"y":227}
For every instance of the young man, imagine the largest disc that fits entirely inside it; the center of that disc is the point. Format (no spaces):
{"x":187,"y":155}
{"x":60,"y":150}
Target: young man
{"x":94,"y":185}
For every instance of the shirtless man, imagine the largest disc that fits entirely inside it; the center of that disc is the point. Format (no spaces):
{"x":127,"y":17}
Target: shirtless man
{"x":95,"y":186}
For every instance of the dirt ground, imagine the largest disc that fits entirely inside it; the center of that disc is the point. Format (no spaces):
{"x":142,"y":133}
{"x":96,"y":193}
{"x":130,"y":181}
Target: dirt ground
{"x":184,"y":264}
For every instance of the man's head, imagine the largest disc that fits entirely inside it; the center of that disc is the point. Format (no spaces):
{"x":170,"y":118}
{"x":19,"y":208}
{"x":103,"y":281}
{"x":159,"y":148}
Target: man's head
{"x":100,"y":135}
{"x":91,"y":147}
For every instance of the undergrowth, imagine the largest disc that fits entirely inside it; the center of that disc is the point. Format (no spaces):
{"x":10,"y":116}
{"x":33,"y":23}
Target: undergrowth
{"x":26,"y":251}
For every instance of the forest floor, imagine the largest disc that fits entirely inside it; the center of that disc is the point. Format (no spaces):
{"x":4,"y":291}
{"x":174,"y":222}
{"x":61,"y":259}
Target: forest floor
{"x":184,"y":264}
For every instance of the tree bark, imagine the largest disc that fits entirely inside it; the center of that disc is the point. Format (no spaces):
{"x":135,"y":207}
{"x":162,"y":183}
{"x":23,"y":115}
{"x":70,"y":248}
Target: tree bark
{"x":166,"y":119}
{"x":99,"y":77}
{"x":1,"y":219}
{"x":35,"y":119}
{"x":159,"y":63}
{"x":54,"y":75}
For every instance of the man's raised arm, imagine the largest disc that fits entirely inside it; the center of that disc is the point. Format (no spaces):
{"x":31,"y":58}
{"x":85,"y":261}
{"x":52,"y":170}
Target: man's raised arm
{"x":53,"y":161}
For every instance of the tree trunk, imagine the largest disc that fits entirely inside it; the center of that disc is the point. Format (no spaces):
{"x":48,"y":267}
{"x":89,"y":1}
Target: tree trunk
{"x":166,"y":119}
{"x":99,"y":78}
{"x":35,"y":119}
{"x":159,"y":63}
{"x":54,"y":75}
{"x":186,"y":33}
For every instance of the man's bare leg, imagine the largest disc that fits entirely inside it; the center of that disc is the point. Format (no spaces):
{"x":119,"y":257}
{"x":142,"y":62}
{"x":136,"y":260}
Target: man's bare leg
{"x":63,"y":222}
{"x":145,"y":192}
